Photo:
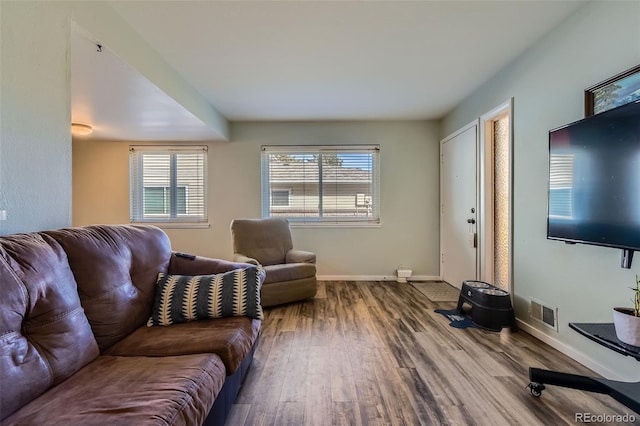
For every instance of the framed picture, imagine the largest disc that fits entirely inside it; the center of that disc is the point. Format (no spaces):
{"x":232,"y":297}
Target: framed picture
{"x":613,"y":92}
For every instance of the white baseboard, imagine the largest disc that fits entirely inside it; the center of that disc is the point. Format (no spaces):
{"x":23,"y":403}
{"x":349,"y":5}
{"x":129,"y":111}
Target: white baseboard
{"x":569,"y":351}
{"x":356,"y":277}
{"x":374,"y":278}
{"x":424,"y":278}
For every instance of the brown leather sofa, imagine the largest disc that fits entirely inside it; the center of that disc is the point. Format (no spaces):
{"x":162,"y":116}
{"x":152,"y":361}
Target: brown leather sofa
{"x":74,"y":345}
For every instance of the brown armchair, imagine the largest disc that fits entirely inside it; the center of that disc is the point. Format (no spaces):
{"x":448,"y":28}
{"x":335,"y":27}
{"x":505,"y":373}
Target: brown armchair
{"x":291,"y":274}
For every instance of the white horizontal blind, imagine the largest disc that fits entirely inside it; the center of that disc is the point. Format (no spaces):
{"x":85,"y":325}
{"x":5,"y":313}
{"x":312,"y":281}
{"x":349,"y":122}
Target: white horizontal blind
{"x":168,"y":183}
{"x":321,"y":184}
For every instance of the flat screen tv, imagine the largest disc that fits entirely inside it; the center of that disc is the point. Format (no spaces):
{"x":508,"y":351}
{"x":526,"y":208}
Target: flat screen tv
{"x":594,"y":181}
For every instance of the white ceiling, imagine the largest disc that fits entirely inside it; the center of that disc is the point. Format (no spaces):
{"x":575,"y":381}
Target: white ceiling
{"x":316,"y":60}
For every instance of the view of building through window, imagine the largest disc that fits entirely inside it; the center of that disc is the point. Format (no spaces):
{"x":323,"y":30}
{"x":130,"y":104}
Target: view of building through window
{"x":157,"y":200}
{"x":337,"y":184}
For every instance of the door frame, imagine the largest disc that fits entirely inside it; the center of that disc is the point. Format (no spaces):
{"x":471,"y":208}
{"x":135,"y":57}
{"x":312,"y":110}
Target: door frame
{"x":485,"y":206}
{"x":478,"y":213}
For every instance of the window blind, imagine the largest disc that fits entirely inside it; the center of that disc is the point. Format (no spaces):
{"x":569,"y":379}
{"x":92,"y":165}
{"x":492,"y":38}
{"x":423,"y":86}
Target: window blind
{"x":321,"y":184}
{"x":168,"y":183}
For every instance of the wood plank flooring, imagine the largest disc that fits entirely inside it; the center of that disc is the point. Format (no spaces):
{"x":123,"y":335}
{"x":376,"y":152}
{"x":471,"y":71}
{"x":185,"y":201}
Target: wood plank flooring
{"x":375,"y":353}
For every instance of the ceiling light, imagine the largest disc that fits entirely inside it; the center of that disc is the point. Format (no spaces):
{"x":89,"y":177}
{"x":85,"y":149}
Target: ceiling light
{"x":78,"y":129}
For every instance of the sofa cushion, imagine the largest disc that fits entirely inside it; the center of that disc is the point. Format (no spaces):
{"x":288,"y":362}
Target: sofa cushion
{"x":130,"y":391}
{"x":197,"y":265}
{"x":183,"y":298}
{"x":229,"y":338}
{"x":44,"y":334}
{"x":116,"y":268}
{"x":289,"y":272}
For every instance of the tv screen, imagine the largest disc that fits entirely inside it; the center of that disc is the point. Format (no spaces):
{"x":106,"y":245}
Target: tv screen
{"x":594,"y":180}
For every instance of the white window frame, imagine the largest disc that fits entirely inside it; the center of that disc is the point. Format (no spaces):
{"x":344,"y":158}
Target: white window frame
{"x":174,"y":219}
{"x":372,"y":218}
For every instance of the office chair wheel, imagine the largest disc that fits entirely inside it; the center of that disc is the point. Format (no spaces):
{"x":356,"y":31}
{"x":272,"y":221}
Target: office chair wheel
{"x":536,"y":389}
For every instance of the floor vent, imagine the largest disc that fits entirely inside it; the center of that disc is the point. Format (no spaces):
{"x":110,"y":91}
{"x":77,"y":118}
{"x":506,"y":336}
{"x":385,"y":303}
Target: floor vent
{"x":544,"y":314}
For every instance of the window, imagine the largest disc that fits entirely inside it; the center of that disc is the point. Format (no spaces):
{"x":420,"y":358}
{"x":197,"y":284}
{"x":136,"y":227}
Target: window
{"x":327,"y":184}
{"x":168,"y":184}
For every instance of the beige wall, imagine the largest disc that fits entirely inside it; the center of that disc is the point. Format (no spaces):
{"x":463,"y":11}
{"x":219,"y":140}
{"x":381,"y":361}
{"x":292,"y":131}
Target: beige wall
{"x":547,"y":84}
{"x":409,"y":194}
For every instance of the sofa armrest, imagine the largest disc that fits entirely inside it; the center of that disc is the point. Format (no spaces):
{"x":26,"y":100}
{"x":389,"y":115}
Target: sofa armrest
{"x":237,"y":257}
{"x":300,"y":256}
{"x":186,"y":265}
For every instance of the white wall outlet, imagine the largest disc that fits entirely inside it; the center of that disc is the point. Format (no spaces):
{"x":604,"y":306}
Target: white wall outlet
{"x":3,"y":215}
{"x":403,"y":274}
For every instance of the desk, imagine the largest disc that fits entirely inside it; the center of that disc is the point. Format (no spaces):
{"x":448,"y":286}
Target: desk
{"x":605,"y":334}
{"x":627,"y":393}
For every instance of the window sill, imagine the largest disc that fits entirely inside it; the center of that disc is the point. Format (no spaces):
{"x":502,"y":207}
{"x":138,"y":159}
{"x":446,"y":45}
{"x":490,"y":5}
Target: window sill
{"x":293,"y":224}
{"x":176,"y":225}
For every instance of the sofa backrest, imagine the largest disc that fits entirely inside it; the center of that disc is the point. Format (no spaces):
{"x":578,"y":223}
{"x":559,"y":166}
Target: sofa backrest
{"x":116,"y":268}
{"x":44,"y":334}
{"x":266,"y":240}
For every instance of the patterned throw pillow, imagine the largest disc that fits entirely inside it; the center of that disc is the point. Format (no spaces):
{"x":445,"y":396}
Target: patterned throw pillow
{"x":182,"y":298}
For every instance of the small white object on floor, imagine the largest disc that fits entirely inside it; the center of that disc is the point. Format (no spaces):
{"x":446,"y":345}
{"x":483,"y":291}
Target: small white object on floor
{"x":403,"y":274}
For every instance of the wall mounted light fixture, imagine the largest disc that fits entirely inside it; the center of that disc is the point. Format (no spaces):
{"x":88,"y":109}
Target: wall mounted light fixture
{"x":78,"y":129}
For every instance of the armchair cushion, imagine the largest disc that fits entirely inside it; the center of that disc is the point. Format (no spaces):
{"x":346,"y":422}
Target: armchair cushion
{"x":300,"y":256}
{"x":289,"y":272}
{"x":183,"y":298}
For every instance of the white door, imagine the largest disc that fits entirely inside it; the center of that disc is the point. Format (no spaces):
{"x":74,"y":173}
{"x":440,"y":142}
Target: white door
{"x":458,"y":210}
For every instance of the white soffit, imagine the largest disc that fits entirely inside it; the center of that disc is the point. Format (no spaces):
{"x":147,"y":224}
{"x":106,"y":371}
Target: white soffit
{"x":120,"y":103}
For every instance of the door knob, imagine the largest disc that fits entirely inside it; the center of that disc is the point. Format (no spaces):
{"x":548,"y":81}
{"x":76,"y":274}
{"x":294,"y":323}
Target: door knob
{"x":471,"y":221}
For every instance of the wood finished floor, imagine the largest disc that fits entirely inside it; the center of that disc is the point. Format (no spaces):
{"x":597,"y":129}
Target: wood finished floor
{"x":375,"y":353}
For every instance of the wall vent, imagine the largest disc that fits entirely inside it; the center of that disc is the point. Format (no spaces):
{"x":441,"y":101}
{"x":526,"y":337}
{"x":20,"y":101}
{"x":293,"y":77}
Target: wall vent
{"x":544,"y":314}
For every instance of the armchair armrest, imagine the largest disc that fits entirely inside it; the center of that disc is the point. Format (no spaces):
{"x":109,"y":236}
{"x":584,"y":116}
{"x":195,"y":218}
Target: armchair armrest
{"x":197,"y":265}
{"x":300,"y":256}
{"x":237,"y":257}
